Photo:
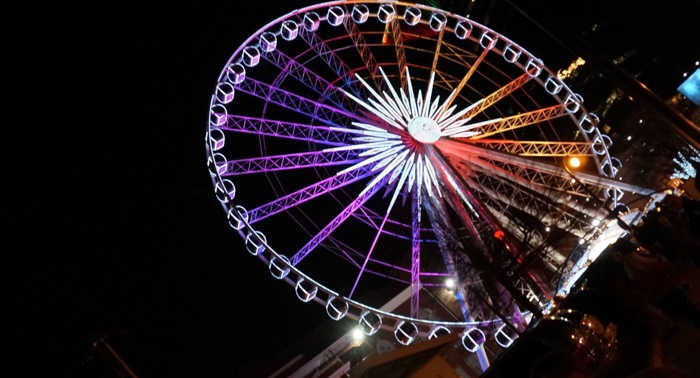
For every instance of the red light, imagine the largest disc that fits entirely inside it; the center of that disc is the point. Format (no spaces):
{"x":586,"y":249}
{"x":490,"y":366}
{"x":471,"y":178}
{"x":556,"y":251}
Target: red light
{"x":499,"y":234}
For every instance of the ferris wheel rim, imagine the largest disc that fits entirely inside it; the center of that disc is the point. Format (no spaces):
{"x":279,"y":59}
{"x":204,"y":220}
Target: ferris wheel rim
{"x":246,"y":230}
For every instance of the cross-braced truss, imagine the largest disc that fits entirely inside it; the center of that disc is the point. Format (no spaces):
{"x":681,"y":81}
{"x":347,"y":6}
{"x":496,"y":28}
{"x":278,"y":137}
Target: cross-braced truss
{"x":388,"y":146}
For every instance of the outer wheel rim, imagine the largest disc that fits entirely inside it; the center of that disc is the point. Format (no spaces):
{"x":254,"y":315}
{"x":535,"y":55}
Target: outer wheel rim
{"x":312,"y":20}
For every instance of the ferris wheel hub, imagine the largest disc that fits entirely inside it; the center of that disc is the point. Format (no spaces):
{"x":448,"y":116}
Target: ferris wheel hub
{"x":424,"y":130}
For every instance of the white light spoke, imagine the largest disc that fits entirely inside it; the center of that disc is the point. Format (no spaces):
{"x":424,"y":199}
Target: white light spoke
{"x":411,"y":97}
{"x":449,"y":123}
{"x":467,"y":134}
{"x":377,"y":179}
{"x":396,"y":109}
{"x":399,"y":170}
{"x":380,"y":149}
{"x":434,"y":107}
{"x":461,"y":129}
{"x":443,"y":114}
{"x":369,"y":139}
{"x":401,"y":105}
{"x":428,"y":93}
{"x":400,"y":158}
{"x":409,"y":168}
{"x":364,"y":146}
{"x":433,"y":178}
{"x":369,"y":127}
{"x":419,"y":171}
{"x":384,"y":114}
{"x":419,"y":103}
{"x":406,"y":102}
{"x":371,"y":160}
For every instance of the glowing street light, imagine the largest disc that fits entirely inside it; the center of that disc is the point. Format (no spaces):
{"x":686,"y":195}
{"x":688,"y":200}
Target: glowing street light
{"x":449,"y":284}
{"x":574,"y":162}
{"x":357,"y":336}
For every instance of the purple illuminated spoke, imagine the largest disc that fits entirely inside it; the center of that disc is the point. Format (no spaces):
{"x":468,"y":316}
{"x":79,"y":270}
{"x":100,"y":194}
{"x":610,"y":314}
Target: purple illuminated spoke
{"x":327,"y":55}
{"x":288,"y":130}
{"x":290,"y":161}
{"x":449,"y":246}
{"x":308,"y":193}
{"x":404,"y":162}
{"x":337,"y":221}
{"x":323,"y":113}
{"x":397,"y":191}
{"x":308,"y":78}
{"x":372,"y":218}
{"x":354,"y":257}
{"x":415,"y":253}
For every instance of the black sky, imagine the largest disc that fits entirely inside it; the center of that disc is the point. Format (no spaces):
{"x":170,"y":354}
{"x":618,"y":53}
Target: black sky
{"x":111,"y":222}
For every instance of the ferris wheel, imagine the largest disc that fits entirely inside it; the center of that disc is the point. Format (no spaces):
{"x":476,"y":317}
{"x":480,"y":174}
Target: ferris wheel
{"x":370,"y":150}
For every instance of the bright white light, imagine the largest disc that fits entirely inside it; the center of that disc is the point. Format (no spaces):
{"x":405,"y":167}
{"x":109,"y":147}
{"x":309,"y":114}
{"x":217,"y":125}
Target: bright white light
{"x":581,"y":241}
{"x":425,"y":118}
{"x":357,"y":335}
{"x":547,"y":229}
{"x":450,"y":283}
{"x":685,"y":74}
{"x":697,"y":62}
{"x":574,"y":162}
{"x":640,"y":121}
{"x":595,"y":222}
{"x":629,"y":137}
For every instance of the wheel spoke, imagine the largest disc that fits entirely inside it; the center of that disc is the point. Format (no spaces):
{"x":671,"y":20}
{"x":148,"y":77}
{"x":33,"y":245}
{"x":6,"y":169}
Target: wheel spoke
{"x":415,"y":253}
{"x":308,"y":78}
{"x":404,"y":145}
{"x":337,"y":221}
{"x":472,"y":69}
{"x":535,"y":148}
{"x":302,"y":195}
{"x":289,"y":130}
{"x":364,"y":51}
{"x":290,"y":161}
{"x":329,"y":116}
{"x":325,"y":53}
{"x":501,"y":125}
{"x":492,"y":98}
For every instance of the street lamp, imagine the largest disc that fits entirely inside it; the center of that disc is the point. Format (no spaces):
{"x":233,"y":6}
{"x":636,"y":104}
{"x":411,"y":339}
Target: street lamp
{"x":575,"y":163}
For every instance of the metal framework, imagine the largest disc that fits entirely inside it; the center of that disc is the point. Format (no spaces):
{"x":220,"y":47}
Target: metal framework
{"x":398,"y":145}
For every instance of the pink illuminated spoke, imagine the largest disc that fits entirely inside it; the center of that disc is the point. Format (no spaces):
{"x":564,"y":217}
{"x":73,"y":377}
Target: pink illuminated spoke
{"x":362,"y":147}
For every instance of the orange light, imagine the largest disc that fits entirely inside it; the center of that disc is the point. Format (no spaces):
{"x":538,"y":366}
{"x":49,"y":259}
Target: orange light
{"x":574,"y":162}
{"x":499,"y":234}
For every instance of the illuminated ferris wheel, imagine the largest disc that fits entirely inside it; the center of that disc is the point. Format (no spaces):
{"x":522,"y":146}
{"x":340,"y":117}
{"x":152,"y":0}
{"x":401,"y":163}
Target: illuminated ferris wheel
{"x":367,"y":150}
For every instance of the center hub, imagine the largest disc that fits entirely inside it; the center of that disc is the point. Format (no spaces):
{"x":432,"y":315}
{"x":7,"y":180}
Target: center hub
{"x":424,"y":129}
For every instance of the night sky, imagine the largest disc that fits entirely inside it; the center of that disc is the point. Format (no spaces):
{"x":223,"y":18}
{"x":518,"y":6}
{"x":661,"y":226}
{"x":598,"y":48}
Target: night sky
{"x":110,"y":223}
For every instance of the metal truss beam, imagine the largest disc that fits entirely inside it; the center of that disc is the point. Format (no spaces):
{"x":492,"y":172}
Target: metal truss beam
{"x":326,"y":114}
{"x":302,"y":195}
{"x":288,"y":130}
{"x":291,"y":161}
{"x":337,"y":221}
{"x":502,"y":125}
{"x":290,"y":67}
{"x":536,"y":148}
